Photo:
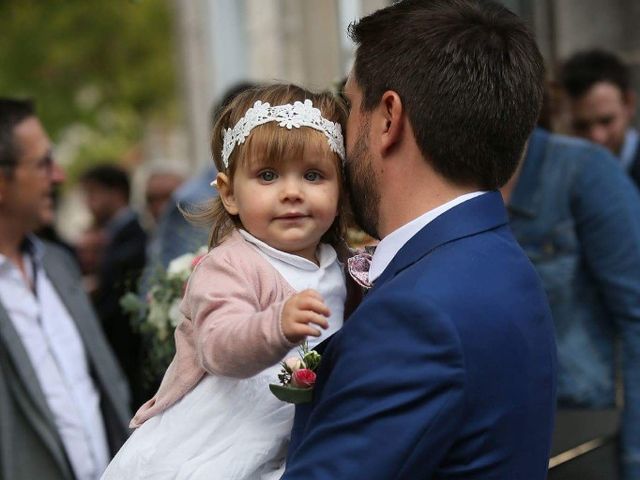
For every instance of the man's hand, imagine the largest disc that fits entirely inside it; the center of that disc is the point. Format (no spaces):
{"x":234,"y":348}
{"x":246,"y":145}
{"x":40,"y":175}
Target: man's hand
{"x":302,"y":310}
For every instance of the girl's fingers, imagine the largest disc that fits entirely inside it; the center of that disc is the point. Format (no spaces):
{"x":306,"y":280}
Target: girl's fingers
{"x":312,"y":332}
{"x":309,"y":292}
{"x":306,"y":317}
{"x":319,"y":320}
{"x":314,"y":305}
{"x":303,"y":330}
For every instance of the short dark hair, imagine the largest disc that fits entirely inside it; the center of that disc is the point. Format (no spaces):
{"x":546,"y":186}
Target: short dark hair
{"x":470,"y":77}
{"x":12,"y":112}
{"x":110,"y":177}
{"x":584,"y":69}
{"x":227,"y":96}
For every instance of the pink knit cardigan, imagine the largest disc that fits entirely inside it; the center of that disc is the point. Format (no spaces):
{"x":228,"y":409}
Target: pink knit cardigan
{"x":231,"y":326}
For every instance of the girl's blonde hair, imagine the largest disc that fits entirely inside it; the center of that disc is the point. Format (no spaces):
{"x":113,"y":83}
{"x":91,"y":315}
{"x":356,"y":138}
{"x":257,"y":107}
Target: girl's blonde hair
{"x":272,"y":145}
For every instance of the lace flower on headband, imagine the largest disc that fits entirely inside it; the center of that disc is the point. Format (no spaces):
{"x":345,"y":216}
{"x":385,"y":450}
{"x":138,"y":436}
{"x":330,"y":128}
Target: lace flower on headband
{"x":296,"y":115}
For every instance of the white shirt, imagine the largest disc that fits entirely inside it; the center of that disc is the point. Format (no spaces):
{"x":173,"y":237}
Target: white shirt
{"x":327,"y":278}
{"x":57,"y":355}
{"x":390,"y":245}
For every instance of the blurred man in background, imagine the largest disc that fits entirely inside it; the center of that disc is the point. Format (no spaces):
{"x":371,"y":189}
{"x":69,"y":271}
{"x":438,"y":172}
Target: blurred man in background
{"x":159,"y":187}
{"x":575,"y":213}
{"x":603,"y":104}
{"x":63,"y":399}
{"x":107,"y":191}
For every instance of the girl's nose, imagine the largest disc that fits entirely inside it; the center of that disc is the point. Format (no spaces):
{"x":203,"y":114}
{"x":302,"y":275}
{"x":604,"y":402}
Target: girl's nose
{"x":291,"y":189}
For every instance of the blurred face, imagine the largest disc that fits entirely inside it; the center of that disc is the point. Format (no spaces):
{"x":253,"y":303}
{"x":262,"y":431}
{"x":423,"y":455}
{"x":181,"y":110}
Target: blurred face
{"x":102,"y":202}
{"x":158,"y":192}
{"x":603,"y":115}
{"x":28,"y":195}
{"x":89,"y":249}
{"x":362,"y":182}
{"x":289,"y":207}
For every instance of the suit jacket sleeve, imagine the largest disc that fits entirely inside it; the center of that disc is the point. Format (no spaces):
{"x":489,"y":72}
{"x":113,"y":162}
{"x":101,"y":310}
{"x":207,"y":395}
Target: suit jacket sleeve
{"x":234,"y":335}
{"x":393,"y":391}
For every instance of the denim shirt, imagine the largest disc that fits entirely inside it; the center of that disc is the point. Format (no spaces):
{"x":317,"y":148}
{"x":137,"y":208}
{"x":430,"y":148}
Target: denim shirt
{"x":577,"y":216}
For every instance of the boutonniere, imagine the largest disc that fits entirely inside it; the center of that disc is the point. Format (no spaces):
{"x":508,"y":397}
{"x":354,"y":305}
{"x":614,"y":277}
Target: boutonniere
{"x":297,"y":377}
{"x":358,"y":267}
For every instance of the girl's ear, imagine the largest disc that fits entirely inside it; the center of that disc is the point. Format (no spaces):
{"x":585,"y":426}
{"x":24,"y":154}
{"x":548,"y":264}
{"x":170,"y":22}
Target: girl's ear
{"x":225,"y":190}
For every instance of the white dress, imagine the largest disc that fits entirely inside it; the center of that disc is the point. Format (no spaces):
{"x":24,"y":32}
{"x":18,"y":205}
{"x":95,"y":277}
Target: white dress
{"x":228,"y":428}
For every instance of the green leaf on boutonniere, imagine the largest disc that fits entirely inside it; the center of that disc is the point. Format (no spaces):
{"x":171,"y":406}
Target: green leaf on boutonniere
{"x":291,"y":394}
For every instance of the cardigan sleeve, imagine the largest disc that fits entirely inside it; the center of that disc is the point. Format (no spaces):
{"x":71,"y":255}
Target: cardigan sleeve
{"x":234,"y":335}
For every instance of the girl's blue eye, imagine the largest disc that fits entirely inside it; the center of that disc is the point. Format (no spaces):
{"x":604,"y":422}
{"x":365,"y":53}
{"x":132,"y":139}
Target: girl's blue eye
{"x":312,"y":176}
{"x":267,"y":176}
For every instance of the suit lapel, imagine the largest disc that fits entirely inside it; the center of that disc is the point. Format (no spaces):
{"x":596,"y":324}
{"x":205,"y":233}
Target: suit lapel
{"x":75,"y":300}
{"x":479,"y":214}
{"x":31,"y":396}
{"x":22,"y":365}
{"x":71,"y":295}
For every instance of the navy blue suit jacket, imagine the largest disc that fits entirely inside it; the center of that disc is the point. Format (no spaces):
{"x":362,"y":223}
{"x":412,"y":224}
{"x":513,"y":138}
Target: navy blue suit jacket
{"x":447,"y":369}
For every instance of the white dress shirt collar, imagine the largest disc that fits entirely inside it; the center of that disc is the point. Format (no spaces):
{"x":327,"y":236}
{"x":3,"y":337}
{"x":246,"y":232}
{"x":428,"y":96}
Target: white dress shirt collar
{"x":392,"y":243}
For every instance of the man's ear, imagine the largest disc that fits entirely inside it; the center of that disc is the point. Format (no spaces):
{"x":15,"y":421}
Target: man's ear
{"x":391,"y":118}
{"x":225,"y":190}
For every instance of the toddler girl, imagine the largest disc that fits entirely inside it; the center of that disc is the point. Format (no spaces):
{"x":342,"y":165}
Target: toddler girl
{"x":271,"y":280}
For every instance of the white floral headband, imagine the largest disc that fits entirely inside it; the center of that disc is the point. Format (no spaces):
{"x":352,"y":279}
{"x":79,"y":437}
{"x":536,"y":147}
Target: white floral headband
{"x":297,"y":115}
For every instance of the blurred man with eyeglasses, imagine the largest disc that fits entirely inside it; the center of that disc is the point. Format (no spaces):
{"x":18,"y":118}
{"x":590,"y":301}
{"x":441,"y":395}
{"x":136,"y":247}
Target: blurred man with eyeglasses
{"x":63,"y":399}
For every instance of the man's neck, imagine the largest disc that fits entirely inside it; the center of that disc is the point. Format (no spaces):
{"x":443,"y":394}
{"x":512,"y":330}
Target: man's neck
{"x":413,"y":197}
{"x":507,"y":189}
{"x":11,"y":238}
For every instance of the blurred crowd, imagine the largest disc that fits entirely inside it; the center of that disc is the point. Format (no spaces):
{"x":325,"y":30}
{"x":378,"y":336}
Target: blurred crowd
{"x":573,"y":203}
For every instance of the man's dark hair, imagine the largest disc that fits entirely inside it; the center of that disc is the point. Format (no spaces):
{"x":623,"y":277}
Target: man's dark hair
{"x":12,"y":112}
{"x":110,"y":177}
{"x":584,"y":69}
{"x":470,"y":77}
{"x":229,"y":94}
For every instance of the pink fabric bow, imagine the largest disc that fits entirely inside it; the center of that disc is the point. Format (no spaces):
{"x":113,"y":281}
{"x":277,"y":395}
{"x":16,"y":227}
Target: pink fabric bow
{"x":358,"y":267}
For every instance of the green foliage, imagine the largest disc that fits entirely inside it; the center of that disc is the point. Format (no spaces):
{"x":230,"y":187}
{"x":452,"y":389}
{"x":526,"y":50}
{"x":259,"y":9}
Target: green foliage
{"x":311,"y":358}
{"x":106,"y":65}
{"x":151,"y":318}
{"x":157,"y":315}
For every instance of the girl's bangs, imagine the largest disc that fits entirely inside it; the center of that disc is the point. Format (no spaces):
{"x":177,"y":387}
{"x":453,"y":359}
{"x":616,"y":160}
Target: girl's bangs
{"x":273,"y":146}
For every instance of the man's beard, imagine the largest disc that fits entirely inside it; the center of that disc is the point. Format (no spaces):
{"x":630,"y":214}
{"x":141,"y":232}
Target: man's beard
{"x":363,"y":187}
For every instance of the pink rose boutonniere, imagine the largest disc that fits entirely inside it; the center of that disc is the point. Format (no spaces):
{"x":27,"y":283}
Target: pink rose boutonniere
{"x":303,"y":378}
{"x":297,"y":377}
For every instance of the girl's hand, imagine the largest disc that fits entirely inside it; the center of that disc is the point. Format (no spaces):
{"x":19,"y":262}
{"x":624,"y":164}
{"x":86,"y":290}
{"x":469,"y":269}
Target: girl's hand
{"x":302,"y":310}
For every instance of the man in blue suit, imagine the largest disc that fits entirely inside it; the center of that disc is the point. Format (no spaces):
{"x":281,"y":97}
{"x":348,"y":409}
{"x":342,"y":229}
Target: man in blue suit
{"x":447,"y":370}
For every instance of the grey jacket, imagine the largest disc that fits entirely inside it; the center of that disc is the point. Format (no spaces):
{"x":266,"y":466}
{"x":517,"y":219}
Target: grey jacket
{"x":30,"y":446}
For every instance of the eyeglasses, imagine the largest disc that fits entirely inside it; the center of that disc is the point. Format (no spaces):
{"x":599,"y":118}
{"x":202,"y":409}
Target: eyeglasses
{"x":45,"y":164}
